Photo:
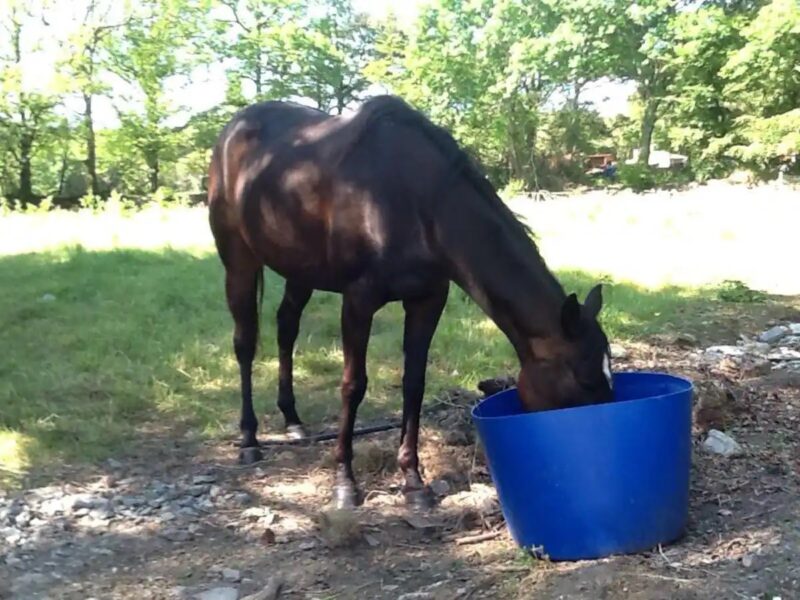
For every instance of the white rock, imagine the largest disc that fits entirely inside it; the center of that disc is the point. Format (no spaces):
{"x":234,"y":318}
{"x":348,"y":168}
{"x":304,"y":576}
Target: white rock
{"x":220,"y":593}
{"x":720,"y":443}
{"x":47,"y":298}
{"x":794,"y":328}
{"x":756,"y":347}
{"x":254,"y":513}
{"x":726,"y":350}
{"x":784,"y":354}
{"x":618,"y":351}
{"x":232,"y":575}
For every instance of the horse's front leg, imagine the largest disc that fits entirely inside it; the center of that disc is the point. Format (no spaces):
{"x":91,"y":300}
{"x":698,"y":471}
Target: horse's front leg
{"x":422,"y":317}
{"x":357,"y":313}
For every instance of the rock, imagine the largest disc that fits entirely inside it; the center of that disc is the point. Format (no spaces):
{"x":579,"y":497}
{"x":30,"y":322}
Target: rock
{"x":48,"y":298}
{"x":23,"y":519}
{"x":440,"y":487}
{"x":27,"y":580}
{"x":13,"y":561}
{"x":784,"y":354}
{"x":87,"y":501}
{"x":416,"y":596}
{"x":131,"y":501}
{"x":51,"y":507}
{"x":259,"y":513}
{"x":220,"y":593}
{"x":618,"y":351}
{"x":179,"y":591}
{"x":176,"y":535}
{"x":197,"y":490}
{"x":792,"y":341}
{"x":269,"y":591}
{"x":114,"y":464}
{"x":101,"y":514}
{"x":726,"y":351}
{"x":720,"y":443}
{"x":747,"y":561}
{"x":241,"y":498}
{"x":756,"y":347}
{"x":774,"y":334}
{"x":203,"y":479}
{"x":794,"y":328}
{"x":232,"y":575}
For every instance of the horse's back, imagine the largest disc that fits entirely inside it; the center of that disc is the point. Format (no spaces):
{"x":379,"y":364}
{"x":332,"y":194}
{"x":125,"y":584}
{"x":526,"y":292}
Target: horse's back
{"x":325,"y":199}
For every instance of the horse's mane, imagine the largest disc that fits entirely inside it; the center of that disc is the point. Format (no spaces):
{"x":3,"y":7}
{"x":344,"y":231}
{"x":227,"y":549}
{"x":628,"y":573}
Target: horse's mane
{"x":394,"y":109}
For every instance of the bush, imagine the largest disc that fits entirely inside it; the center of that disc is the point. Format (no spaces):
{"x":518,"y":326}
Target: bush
{"x":637,"y":177}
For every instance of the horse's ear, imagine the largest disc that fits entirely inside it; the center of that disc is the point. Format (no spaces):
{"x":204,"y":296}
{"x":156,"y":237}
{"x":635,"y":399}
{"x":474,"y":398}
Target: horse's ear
{"x":594,"y":301}
{"x":571,"y":316}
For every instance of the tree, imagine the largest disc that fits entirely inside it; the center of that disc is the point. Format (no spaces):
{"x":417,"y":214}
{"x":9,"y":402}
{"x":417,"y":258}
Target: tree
{"x":150,"y":52}
{"x":262,"y":46}
{"x":25,"y":114}
{"x":762,"y":84}
{"x":85,"y":56}
{"x":333,"y":54}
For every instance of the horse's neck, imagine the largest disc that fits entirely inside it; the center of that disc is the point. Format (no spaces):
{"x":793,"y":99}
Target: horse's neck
{"x":501,"y":269}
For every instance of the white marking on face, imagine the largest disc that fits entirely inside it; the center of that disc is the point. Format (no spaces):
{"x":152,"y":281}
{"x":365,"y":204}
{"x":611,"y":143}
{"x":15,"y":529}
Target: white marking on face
{"x":607,"y":370}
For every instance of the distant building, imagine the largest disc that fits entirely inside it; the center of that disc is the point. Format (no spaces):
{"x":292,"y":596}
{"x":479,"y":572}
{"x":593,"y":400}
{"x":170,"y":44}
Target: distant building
{"x":661,"y":159}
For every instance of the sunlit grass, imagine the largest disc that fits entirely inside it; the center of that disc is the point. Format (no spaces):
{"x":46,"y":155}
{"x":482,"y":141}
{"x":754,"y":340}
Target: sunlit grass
{"x":100,"y":346}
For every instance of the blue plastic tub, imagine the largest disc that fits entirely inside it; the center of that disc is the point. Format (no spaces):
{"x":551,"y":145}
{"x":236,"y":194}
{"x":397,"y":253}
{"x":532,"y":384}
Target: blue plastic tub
{"x":592,"y":481}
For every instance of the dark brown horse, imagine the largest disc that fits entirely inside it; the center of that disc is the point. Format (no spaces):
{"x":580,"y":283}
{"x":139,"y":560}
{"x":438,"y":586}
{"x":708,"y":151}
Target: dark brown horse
{"x":382,"y":206}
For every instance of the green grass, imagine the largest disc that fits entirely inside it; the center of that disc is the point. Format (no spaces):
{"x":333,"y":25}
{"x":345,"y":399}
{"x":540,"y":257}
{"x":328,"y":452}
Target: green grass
{"x":137,"y":341}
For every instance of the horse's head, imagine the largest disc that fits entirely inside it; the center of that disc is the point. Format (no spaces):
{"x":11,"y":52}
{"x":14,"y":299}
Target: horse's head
{"x":570,"y":369}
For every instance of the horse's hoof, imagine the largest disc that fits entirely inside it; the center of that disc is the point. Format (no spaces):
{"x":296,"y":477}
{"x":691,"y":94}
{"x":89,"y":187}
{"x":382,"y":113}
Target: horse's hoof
{"x":296,"y":432}
{"x":250,"y":455}
{"x":346,"y":497}
{"x":420,"y":499}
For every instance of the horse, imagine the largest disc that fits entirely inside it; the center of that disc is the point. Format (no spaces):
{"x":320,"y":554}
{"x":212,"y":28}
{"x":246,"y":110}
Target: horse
{"x":383,"y":205}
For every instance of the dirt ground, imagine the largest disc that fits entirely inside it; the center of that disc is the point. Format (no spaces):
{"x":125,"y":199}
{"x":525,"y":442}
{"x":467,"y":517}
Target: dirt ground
{"x":177,"y":518}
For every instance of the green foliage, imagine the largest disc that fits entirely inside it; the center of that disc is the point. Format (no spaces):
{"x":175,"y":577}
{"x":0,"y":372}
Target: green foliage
{"x":638,"y":177}
{"x":717,"y":81}
{"x":737,"y":291}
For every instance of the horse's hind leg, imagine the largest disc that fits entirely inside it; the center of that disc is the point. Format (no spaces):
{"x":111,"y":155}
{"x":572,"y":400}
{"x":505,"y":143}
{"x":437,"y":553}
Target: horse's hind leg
{"x":243,"y":275}
{"x":295,"y":298}
{"x":422,"y":317}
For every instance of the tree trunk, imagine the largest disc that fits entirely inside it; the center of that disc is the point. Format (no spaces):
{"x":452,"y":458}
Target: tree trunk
{"x":154,"y":173}
{"x":25,"y":174}
{"x":62,"y":174}
{"x":648,"y":125}
{"x":91,"y":144}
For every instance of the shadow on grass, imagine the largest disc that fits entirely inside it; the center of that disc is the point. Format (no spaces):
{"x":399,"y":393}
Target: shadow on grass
{"x":99,"y":347}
